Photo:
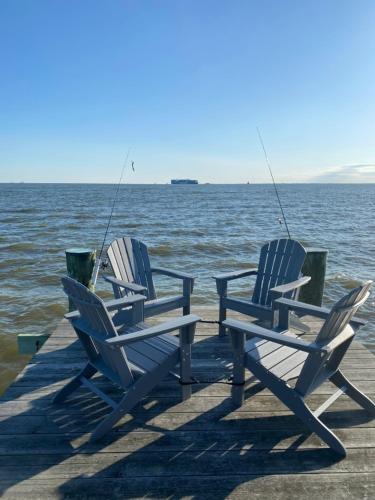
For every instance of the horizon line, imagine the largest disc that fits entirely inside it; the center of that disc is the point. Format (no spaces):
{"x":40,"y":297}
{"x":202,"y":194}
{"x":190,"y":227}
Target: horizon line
{"x":169,"y":184}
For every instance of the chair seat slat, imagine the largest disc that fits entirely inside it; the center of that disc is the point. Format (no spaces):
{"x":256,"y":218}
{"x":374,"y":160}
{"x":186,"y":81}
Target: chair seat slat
{"x":139,"y":359}
{"x":151,"y":350}
{"x":258,"y":348}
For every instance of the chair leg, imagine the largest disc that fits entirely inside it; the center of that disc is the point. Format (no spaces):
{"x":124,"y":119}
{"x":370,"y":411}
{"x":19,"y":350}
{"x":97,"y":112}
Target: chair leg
{"x":274,"y":317}
{"x":238,"y":387}
{"x":222,"y":317}
{"x":301,"y":410}
{"x":351,"y":390}
{"x":87,"y":373}
{"x":187,"y":291}
{"x":185,"y":371}
{"x":298,"y":406}
{"x":135,"y":393}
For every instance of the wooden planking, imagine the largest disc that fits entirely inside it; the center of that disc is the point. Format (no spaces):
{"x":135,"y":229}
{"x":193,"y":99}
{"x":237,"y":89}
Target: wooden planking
{"x":189,"y":463}
{"x":166,"y":388}
{"x":291,"y":486}
{"x":173,"y":441}
{"x":201,"y":448}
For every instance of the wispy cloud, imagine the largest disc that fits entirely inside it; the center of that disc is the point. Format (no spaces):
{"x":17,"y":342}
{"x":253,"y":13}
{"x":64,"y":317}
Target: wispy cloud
{"x":363,"y":172}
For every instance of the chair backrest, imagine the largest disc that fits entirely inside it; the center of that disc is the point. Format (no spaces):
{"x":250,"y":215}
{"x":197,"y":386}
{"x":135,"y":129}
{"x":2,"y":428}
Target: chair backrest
{"x":93,"y":327}
{"x":317,"y":367}
{"x":130,"y":262}
{"x":280,"y":262}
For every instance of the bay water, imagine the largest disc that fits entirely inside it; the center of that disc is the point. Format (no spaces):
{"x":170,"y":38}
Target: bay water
{"x":202,"y":229}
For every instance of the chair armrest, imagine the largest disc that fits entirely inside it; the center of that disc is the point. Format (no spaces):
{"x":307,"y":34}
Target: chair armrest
{"x":72,"y":315}
{"x":111,"y":305}
{"x":172,"y":273}
{"x":116,"y":304}
{"x":235,"y":275}
{"x":309,"y":310}
{"x":222,"y":279}
{"x":132,"y":287}
{"x":288,"y":287}
{"x":153,"y":331}
{"x":303,"y":308}
{"x":279,"y":338}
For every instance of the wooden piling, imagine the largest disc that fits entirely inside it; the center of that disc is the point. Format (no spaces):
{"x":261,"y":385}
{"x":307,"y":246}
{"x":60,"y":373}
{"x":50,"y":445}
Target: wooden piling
{"x":80,"y":264}
{"x":314,"y":266}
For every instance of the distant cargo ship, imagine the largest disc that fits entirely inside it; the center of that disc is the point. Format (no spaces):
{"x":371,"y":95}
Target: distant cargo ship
{"x":184,"y":181}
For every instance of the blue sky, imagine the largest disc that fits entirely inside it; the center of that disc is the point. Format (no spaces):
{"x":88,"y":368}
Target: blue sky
{"x":184,"y":85}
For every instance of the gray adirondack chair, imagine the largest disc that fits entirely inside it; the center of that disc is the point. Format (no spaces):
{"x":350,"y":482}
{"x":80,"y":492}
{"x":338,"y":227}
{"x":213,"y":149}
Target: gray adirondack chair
{"x":293,"y":368}
{"x":278,"y":275}
{"x":131,"y":266}
{"x":134,"y":358}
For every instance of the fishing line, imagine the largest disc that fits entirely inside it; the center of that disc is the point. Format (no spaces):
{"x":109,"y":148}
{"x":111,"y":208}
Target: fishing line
{"x":99,"y":259}
{"x":274,"y":183}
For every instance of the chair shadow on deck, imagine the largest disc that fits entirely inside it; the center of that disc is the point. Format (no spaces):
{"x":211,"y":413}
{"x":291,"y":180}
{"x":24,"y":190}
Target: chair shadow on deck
{"x":158,"y":447}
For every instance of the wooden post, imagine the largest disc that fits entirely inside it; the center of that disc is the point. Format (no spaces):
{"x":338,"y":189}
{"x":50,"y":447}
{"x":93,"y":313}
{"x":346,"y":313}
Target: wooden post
{"x":314,"y":266}
{"x":80,"y":264}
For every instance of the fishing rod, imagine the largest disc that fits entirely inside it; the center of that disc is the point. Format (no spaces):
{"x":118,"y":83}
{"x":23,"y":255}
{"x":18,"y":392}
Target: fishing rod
{"x":98,"y":261}
{"x":274,"y":183}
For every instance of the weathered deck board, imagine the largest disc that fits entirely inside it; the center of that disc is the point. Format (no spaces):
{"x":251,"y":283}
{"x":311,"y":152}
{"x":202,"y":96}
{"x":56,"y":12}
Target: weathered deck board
{"x":201,"y":448}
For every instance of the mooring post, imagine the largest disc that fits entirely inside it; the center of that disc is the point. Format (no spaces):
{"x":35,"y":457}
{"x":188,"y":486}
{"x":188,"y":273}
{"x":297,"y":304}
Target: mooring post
{"x":314,"y":266}
{"x":80,"y":264}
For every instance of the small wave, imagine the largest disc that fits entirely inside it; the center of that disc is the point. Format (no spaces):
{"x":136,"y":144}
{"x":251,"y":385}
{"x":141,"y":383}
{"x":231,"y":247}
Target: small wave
{"x":26,"y":210}
{"x":130,"y":225}
{"x":43,"y":233}
{"x":233,"y":265}
{"x":9,"y":220}
{"x":212,"y":248}
{"x":35,"y":315}
{"x":187,"y":232}
{"x":345,"y":281}
{"x":161,"y":250}
{"x":230,"y":248}
{"x":20,"y":247}
{"x":49,"y":279}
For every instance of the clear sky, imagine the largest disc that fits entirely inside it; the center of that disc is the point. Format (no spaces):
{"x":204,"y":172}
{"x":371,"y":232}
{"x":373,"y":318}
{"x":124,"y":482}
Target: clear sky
{"x":184,"y":85}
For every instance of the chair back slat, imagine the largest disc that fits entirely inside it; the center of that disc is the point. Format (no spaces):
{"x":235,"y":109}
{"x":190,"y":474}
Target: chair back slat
{"x":148,"y":273}
{"x":140,"y":264}
{"x":342,"y":312}
{"x":126,"y":258}
{"x":94,"y":318}
{"x":280,"y":262}
{"x":318,"y":367}
{"x":120,"y":260}
{"x":130,"y":262}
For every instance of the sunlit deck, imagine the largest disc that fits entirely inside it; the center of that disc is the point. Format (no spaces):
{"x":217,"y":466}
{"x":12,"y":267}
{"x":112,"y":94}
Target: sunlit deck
{"x":201,"y":448}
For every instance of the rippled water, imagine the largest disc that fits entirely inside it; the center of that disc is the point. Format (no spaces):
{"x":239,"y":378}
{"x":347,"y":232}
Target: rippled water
{"x":203,"y":229}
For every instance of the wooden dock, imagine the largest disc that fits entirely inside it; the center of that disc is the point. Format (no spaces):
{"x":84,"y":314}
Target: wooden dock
{"x":201,"y":448}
